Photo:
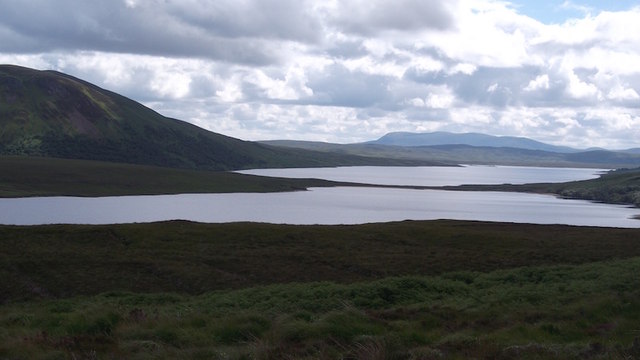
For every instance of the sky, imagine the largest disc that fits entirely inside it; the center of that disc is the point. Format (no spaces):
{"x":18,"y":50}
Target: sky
{"x":562,"y":72}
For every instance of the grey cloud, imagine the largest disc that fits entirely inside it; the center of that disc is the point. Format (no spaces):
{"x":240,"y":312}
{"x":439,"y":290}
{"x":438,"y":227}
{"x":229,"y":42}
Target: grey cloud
{"x":340,"y":87}
{"x":551,"y":97}
{"x":372,"y":16}
{"x":348,"y":49}
{"x":630,"y":82}
{"x":248,"y":113}
{"x":12,"y":41}
{"x":252,"y":92}
{"x":279,"y":19}
{"x":241,"y":33}
{"x":507,"y":84}
{"x":202,"y":86}
{"x":432,"y":77}
{"x":502,"y":87}
{"x":556,"y":48}
{"x":370,"y":113}
{"x":585,"y":73}
{"x":420,"y":115}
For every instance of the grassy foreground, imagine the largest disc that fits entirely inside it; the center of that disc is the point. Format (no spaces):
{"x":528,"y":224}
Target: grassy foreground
{"x":404,"y":290}
{"x":61,"y":261}
{"x":562,"y":312}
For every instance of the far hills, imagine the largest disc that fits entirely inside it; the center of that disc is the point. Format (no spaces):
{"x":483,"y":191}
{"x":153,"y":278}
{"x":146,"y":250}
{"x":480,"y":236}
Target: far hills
{"x":475,"y":148}
{"x":471,"y":139}
{"x":51,"y":114}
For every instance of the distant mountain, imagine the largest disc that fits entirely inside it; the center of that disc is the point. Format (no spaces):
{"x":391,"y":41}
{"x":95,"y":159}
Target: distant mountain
{"x":467,"y":154}
{"x":47,"y":113}
{"x":472,"y":139}
{"x":605,"y":157}
{"x":632,"y":151}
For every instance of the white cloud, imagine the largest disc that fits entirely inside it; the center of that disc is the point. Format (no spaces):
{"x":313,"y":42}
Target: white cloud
{"x":291,"y":86}
{"x":578,"y":88}
{"x":573,"y":6}
{"x":621,"y":93}
{"x":439,"y":101}
{"x":171,"y":85}
{"x":486,"y":34}
{"x":439,"y":97}
{"x":131,"y":3}
{"x":473,"y":118}
{"x":426,"y":64}
{"x":492,"y":88}
{"x":607,"y":30}
{"x":463,"y":68}
{"x":540,"y":82}
{"x":230,"y":93}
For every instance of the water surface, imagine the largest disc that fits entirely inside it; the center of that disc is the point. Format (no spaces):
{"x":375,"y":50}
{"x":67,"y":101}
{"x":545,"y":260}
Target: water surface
{"x":341,"y":205}
{"x":436,"y":175}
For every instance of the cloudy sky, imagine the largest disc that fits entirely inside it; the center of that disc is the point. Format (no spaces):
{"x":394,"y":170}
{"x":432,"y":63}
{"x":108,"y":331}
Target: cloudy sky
{"x":563,"y":72}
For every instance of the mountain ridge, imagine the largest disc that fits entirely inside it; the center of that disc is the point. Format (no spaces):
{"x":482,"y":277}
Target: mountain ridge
{"x":51,"y":114}
{"x":472,"y":139}
{"x":480,"y":155}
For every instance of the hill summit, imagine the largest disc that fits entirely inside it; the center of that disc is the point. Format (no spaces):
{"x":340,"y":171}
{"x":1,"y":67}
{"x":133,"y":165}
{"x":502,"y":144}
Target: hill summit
{"x":472,"y":139}
{"x":51,"y":114}
{"x":47,"y":113}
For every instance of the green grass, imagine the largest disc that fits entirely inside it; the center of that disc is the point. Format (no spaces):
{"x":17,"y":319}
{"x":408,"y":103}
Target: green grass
{"x":403,"y":290}
{"x":570,"y":312}
{"x":620,"y":186}
{"x":61,"y":261}
{"x":616,"y":187}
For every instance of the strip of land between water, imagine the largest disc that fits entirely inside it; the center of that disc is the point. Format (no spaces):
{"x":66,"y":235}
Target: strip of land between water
{"x":33,"y":176}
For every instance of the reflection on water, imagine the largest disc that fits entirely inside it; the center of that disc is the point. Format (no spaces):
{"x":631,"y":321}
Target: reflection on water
{"x":318,"y":206}
{"x":436,"y":175}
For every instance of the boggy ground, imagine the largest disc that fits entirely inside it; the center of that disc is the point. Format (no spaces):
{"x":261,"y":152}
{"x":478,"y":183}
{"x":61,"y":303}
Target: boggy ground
{"x":405,"y":290}
{"x":58,"y":261}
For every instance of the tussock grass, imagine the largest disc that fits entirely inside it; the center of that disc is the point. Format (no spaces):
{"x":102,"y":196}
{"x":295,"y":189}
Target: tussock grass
{"x":571,"y":311}
{"x":60,"y":261}
{"x":405,"y":290}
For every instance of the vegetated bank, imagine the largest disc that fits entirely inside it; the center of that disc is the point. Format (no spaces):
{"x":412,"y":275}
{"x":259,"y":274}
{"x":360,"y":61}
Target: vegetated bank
{"x":23,"y":176}
{"x":27,"y":176}
{"x":405,"y":290}
{"x":620,"y":186}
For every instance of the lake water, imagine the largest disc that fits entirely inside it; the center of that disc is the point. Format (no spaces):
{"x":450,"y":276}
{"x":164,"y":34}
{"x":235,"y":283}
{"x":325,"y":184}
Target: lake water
{"x":436,"y":175}
{"x":340,"y":205}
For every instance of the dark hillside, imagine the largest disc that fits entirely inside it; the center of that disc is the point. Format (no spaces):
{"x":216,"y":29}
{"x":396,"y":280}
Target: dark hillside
{"x":47,"y":113}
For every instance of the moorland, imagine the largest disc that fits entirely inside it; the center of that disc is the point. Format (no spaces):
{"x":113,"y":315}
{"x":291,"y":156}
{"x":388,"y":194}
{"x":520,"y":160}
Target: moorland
{"x":407,"y":290}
